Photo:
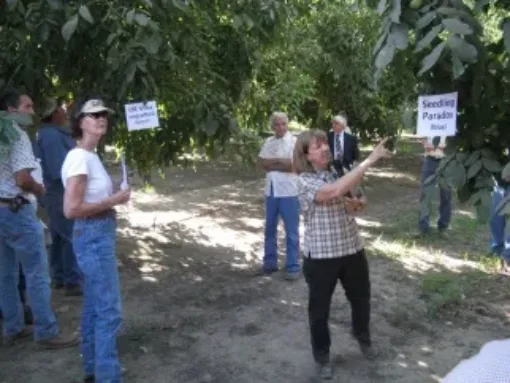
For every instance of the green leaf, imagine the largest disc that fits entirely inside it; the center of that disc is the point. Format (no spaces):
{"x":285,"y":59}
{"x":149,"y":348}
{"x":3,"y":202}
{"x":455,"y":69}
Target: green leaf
{"x":426,"y":197}
{"x":70,"y":27}
{"x":142,"y":19}
{"x":466,"y":16}
{"x":474,"y":169}
{"x":473,"y":200}
{"x":431,"y":59}
{"x":425,"y":20}
{"x":56,"y":5}
{"x":399,"y":35}
{"x":385,"y":56}
{"x":506,"y":33}
{"x":152,"y":44}
{"x":429,"y":37}
{"x":110,"y":38}
{"x":130,"y":16}
{"x":85,"y":13}
{"x":457,"y":67}
{"x":480,"y":4}
{"x":182,"y":5}
{"x":483,"y":209}
{"x":379,"y":43}
{"x":430,"y":179}
{"x":473,"y":157}
{"x":456,"y":174}
{"x":45,"y":32}
{"x":505,"y":173}
{"x":381,"y":7}
{"x":396,"y":11}
{"x":457,"y":26}
{"x":462,"y":49}
{"x":12,"y":5}
{"x":491,"y":165}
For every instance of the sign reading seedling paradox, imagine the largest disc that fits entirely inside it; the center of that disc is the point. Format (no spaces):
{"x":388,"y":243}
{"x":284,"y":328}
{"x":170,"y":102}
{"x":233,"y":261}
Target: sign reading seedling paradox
{"x":437,"y":115}
{"x":142,"y":115}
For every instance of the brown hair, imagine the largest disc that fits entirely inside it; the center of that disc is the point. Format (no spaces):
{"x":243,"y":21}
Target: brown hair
{"x":300,"y":161}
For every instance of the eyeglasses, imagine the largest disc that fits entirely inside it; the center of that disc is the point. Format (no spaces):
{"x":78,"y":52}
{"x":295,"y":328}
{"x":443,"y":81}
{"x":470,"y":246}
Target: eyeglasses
{"x":96,"y":115}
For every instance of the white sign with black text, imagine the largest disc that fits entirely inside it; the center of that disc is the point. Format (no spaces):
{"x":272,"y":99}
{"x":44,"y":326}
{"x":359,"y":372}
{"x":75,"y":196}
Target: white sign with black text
{"x":437,"y":115}
{"x":142,"y":115}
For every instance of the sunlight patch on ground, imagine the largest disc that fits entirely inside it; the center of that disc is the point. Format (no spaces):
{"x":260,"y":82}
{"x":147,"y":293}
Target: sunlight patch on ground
{"x":392,"y":175}
{"x":418,"y":258}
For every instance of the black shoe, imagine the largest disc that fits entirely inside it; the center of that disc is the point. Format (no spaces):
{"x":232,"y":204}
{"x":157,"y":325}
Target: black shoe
{"x":89,"y":379}
{"x":365,"y":346}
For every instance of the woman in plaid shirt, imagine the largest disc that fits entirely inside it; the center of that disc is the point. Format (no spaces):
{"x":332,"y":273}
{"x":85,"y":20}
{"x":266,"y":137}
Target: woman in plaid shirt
{"x":333,"y":248}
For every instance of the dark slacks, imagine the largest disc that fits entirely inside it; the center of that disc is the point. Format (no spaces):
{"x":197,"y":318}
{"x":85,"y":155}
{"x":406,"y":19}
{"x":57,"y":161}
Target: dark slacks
{"x":322,"y":276}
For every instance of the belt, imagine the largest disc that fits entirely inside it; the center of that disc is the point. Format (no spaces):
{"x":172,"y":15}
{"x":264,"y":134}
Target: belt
{"x":110,"y":213}
{"x":14,"y":204}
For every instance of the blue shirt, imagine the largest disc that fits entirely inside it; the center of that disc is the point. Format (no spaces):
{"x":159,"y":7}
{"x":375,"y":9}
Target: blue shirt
{"x":52,"y":145}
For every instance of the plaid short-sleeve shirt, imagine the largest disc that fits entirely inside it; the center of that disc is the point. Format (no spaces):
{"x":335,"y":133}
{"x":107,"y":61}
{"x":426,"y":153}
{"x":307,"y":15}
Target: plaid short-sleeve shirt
{"x":330,"y":232}
{"x":21,"y":156}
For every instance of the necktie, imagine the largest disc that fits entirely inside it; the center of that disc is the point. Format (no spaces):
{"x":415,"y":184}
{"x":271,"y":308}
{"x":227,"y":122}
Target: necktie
{"x":338,"y":147}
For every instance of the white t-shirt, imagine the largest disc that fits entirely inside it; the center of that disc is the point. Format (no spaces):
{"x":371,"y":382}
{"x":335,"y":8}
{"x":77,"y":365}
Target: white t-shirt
{"x":284,"y":183}
{"x":82,"y":162}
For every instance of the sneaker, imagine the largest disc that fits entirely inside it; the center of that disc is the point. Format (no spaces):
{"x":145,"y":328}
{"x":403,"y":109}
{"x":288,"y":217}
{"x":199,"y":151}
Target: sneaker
{"x":265,"y":272}
{"x":89,"y":379}
{"x":291,"y":276}
{"x":325,"y":371}
{"x":25,"y":333}
{"x":59,"y":341}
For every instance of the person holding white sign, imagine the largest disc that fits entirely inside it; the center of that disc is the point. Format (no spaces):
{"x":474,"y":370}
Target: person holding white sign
{"x":434,"y":151}
{"x":89,"y":200}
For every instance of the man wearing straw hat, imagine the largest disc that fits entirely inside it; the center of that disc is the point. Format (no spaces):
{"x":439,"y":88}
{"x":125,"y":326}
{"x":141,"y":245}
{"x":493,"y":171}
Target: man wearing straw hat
{"x":53,"y":143}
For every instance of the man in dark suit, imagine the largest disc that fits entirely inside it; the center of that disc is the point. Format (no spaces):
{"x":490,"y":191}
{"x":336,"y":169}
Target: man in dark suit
{"x":345,"y":152}
{"x":344,"y":146}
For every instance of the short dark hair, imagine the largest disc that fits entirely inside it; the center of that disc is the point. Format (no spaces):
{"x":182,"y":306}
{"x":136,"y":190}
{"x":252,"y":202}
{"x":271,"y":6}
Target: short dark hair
{"x":10,"y":98}
{"x":48,"y":119}
{"x":76,"y":116}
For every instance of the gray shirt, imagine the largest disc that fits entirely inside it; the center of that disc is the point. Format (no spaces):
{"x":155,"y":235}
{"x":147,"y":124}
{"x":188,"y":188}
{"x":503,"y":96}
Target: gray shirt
{"x":21,"y":156}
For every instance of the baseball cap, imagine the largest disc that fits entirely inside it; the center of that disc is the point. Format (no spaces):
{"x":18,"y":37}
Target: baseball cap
{"x":48,"y":107}
{"x":94,"y":106}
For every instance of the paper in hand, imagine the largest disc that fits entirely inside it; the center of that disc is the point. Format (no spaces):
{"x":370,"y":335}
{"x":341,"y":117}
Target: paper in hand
{"x":124,"y":185}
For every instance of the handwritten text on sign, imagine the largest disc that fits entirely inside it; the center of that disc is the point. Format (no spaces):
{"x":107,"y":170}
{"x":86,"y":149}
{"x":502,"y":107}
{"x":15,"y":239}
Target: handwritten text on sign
{"x":142,"y":115}
{"x":437,"y":115}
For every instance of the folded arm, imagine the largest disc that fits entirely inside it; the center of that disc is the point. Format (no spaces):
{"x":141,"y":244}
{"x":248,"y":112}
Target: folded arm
{"x":276,"y":164}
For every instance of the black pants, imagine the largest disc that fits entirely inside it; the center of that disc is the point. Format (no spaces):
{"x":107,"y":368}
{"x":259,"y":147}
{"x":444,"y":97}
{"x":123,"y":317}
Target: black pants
{"x":322,"y":276}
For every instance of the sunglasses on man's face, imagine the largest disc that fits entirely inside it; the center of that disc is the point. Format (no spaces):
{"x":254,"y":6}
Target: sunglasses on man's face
{"x":97,"y":115}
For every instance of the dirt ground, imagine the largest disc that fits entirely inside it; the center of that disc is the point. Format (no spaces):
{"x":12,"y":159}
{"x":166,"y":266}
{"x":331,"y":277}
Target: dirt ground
{"x":194,"y":312}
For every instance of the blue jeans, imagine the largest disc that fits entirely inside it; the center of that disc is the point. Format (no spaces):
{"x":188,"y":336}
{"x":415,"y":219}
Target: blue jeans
{"x":430,"y":166}
{"x":497,"y":225}
{"x":94,"y":244}
{"x":63,"y":263}
{"x":22,"y":241}
{"x":288,"y":209}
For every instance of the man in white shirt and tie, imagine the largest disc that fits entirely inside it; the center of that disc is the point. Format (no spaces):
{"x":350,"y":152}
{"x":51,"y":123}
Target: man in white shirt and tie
{"x":281,"y":197}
